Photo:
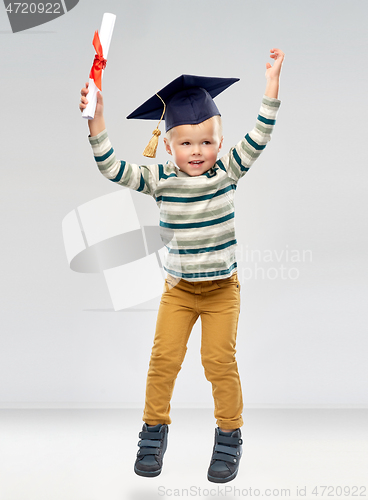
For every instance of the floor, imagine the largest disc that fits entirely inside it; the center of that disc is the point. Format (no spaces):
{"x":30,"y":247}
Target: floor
{"x":89,"y":454}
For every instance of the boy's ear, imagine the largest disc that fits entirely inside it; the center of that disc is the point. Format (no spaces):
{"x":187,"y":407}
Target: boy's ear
{"x":222,"y":140}
{"x":167,"y":146}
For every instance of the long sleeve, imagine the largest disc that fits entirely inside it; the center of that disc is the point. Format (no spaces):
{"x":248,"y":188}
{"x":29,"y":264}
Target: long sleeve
{"x":241,"y":157}
{"x":142,"y":178}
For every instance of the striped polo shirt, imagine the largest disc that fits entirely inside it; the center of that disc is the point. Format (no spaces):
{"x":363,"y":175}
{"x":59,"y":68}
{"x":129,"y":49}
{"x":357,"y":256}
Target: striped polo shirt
{"x":196,"y":213}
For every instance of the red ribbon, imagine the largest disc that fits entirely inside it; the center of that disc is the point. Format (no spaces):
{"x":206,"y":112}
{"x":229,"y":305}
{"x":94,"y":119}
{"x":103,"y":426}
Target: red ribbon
{"x":99,"y":62}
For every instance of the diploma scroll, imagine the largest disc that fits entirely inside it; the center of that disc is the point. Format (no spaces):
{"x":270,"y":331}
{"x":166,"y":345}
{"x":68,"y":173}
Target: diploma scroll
{"x":105,"y":34}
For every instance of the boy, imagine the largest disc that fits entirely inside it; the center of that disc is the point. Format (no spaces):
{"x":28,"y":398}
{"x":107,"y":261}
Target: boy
{"x":195,"y":195}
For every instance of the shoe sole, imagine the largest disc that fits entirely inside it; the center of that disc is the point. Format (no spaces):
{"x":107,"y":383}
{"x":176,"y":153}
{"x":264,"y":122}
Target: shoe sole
{"x":146,"y":473}
{"x":222,"y":479}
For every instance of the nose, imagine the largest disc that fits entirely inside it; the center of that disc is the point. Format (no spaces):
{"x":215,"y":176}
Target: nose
{"x":196,"y":150}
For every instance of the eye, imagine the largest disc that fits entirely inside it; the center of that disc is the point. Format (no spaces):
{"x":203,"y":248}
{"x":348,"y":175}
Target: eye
{"x":185,"y":143}
{"x":206,"y":142}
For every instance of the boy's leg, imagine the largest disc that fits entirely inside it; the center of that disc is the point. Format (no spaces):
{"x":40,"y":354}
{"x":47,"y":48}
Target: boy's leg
{"x":219,"y":314}
{"x":176,"y":317}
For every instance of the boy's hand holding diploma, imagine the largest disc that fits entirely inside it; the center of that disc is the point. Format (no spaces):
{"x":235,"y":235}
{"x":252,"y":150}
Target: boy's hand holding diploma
{"x":97,"y":124}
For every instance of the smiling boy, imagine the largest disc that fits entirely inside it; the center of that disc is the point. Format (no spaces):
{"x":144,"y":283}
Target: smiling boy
{"x":195,"y":196}
{"x":195,"y":147}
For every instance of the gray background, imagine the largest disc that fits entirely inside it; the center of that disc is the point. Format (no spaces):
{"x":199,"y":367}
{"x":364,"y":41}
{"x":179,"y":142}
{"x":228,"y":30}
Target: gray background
{"x":301,"y":341}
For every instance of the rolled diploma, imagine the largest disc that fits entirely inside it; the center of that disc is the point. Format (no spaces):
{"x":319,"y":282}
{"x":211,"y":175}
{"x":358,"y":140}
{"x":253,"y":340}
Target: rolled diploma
{"x":105,"y":34}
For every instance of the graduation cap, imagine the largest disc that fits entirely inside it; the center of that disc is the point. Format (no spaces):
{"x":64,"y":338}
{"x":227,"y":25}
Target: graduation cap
{"x":187,"y":100}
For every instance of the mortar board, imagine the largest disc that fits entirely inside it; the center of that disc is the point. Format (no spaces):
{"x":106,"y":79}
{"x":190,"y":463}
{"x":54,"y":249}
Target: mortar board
{"x":187,"y":100}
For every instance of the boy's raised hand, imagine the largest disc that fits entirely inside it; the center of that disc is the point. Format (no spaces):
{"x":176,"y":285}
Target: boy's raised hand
{"x":84,"y":102}
{"x":274,"y":71}
{"x":96,"y":125}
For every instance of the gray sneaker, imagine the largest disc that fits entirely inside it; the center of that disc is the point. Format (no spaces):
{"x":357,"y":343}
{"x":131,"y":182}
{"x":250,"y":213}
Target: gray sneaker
{"x":152,"y":446}
{"x":226,"y":455}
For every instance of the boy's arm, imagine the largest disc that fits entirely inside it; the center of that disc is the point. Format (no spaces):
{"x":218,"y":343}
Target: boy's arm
{"x":140,"y":178}
{"x":240,"y":158}
{"x":273,"y":73}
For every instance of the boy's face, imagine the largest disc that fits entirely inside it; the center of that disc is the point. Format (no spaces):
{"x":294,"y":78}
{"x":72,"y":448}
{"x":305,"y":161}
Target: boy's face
{"x":195,"y":147}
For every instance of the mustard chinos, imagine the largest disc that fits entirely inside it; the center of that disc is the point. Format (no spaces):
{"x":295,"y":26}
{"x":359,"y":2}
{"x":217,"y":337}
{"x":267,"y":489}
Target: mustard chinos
{"x":218,"y":304}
